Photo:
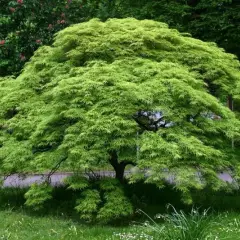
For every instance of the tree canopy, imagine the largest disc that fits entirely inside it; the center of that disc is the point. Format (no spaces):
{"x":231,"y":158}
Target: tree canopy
{"x":123,"y":92}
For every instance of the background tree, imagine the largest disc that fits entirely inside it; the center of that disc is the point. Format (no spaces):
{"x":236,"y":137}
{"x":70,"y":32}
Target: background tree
{"x":117,"y":93}
{"x":27,"y":24}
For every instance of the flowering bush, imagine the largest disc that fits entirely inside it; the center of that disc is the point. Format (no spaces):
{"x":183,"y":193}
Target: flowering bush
{"x":27,"y":24}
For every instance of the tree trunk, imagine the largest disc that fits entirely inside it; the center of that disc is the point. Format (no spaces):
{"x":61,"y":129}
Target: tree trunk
{"x":118,"y":167}
{"x":119,"y":170}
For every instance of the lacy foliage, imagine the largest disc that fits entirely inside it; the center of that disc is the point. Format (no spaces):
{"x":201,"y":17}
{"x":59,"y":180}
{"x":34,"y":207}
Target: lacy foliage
{"x":88,"y":96}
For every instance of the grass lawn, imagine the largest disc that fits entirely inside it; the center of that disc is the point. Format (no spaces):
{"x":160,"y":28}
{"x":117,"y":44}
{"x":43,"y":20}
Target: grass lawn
{"x":19,"y":225}
{"x":16,"y":225}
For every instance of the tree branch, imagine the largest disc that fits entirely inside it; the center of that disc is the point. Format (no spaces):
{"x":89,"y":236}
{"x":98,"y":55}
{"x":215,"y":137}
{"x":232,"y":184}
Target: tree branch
{"x":144,"y":127}
{"x":152,"y":125}
{"x":125,"y":163}
{"x":54,"y":169}
{"x":91,"y":175}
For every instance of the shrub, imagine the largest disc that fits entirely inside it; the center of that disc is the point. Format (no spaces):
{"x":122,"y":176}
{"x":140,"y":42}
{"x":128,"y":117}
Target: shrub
{"x":182,"y":226}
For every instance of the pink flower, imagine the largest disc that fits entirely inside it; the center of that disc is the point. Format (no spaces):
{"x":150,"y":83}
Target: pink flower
{"x":38,"y":41}
{"x":20,"y":1}
{"x":50,"y":26}
{"x":22,"y":57}
{"x":62,"y":21}
{"x":2,"y":42}
{"x":12,"y":9}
